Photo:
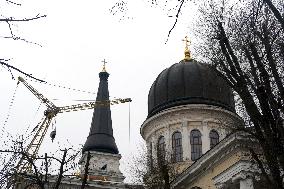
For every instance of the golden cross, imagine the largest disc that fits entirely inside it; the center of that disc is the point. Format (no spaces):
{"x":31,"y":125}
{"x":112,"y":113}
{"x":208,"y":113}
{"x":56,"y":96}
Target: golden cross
{"x":104,"y":66}
{"x":187,"y":56}
{"x":186,"y":40}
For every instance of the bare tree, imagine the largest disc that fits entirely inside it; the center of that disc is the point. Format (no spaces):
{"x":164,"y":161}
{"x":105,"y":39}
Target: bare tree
{"x":86,"y":171}
{"x":10,"y":22}
{"x":38,"y":172}
{"x":243,"y":41}
{"x":152,"y":172}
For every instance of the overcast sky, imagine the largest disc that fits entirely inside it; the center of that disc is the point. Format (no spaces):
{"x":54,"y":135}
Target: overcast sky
{"x":75,"y":37}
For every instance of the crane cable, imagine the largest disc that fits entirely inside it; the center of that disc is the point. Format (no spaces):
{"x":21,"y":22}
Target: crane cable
{"x":129,"y":122}
{"x":14,"y":156}
{"x":9,"y":111}
{"x":32,"y":121}
{"x":29,"y":126}
{"x":65,"y":87}
{"x":62,"y":86}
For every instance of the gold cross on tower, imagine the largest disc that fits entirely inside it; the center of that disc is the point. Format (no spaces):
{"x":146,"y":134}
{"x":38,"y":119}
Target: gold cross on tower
{"x":104,"y":66}
{"x":187,"y":55}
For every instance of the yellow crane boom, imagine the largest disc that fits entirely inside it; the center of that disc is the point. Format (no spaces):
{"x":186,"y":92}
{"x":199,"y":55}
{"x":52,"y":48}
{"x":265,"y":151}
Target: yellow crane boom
{"x":91,"y":105}
{"x":44,"y":100}
{"x":52,"y":110}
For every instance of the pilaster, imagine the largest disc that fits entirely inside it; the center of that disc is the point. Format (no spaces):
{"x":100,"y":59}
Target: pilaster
{"x":205,"y":137}
{"x":185,"y":141}
{"x":168,"y":138}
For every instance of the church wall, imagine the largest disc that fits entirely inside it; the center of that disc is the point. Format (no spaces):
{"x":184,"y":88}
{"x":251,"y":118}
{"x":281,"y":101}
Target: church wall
{"x":102,"y":166}
{"x":185,"y":119}
{"x":205,"y":180}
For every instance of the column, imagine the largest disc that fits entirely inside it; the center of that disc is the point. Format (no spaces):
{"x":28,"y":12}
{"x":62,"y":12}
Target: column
{"x":168,"y":140}
{"x":245,"y":179}
{"x":154,"y":140}
{"x":205,"y":137}
{"x":246,"y":183}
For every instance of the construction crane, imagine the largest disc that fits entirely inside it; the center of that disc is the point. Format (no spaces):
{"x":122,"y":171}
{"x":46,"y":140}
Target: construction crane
{"x":52,"y":110}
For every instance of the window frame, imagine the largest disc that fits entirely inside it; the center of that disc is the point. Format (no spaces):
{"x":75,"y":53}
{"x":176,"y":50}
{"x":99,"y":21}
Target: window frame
{"x":161,"y":148}
{"x":195,"y":144}
{"x":214,"y":138}
{"x":177,"y":152}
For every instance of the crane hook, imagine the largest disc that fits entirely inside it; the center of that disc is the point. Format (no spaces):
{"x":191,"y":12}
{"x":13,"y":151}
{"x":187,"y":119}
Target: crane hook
{"x":52,"y":135}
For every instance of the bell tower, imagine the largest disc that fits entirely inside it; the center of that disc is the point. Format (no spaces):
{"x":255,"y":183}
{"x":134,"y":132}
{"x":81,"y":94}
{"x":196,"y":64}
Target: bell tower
{"x":100,"y":145}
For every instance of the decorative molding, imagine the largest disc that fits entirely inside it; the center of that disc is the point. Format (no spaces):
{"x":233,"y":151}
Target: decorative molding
{"x":239,"y":171}
{"x":184,"y":119}
{"x":190,"y":113}
{"x":222,"y":150}
{"x":220,"y":186}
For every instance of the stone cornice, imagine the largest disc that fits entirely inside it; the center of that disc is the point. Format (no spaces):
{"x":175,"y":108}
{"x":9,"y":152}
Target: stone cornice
{"x":225,"y":147}
{"x":98,"y":153}
{"x":240,"y":170}
{"x":77,"y":181}
{"x":191,"y":112}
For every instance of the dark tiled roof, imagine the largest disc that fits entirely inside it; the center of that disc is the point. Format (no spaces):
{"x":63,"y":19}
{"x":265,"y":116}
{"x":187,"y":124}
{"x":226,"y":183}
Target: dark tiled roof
{"x":189,"y":82}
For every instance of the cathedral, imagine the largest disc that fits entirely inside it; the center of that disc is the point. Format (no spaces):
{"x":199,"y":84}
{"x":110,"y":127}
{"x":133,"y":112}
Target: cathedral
{"x":191,"y":116}
{"x":191,"y":119}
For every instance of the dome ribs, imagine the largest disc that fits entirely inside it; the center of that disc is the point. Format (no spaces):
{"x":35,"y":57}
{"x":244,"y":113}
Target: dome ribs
{"x":189,"y":82}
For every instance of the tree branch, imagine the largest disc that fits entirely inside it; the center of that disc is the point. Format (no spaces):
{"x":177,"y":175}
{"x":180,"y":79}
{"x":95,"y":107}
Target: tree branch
{"x":176,"y":19}
{"x":17,"y":69}
{"x":14,"y":3}
{"x":60,"y":175}
{"x":11,"y":19}
{"x":86,"y":171}
{"x":275,"y":12}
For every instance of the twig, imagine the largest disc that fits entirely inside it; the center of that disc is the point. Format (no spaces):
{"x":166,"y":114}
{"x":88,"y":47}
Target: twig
{"x":14,"y":3}
{"x":17,"y":69}
{"x":177,"y":16}
{"x":86,"y":171}
{"x":60,"y":175}
{"x":21,"y":20}
{"x":11,"y":31}
{"x":19,"y":38}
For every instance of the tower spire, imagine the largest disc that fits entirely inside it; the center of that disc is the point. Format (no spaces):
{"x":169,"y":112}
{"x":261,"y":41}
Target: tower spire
{"x":187,"y":54}
{"x":101,"y":138}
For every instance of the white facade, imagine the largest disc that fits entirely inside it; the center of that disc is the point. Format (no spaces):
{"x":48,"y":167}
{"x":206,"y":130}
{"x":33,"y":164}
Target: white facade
{"x":102,"y":166}
{"x":184,"y":119}
{"x":226,"y":166}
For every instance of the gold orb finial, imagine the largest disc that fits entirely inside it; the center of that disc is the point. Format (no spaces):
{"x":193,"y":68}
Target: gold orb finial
{"x":77,"y":173}
{"x":187,"y":54}
{"x":104,"y":65}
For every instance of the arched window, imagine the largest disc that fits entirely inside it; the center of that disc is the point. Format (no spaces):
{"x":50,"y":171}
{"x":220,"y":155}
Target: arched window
{"x":177,"y":147}
{"x":196,"y":144}
{"x":161,"y":151}
{"x":214,"y":138}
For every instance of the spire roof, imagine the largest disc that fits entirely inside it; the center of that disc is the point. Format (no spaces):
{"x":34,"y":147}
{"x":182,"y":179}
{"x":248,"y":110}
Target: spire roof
{"x":101,"y":138}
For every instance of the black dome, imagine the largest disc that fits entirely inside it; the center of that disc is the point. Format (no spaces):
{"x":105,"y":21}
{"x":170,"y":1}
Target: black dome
{"x":189,"y":82}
